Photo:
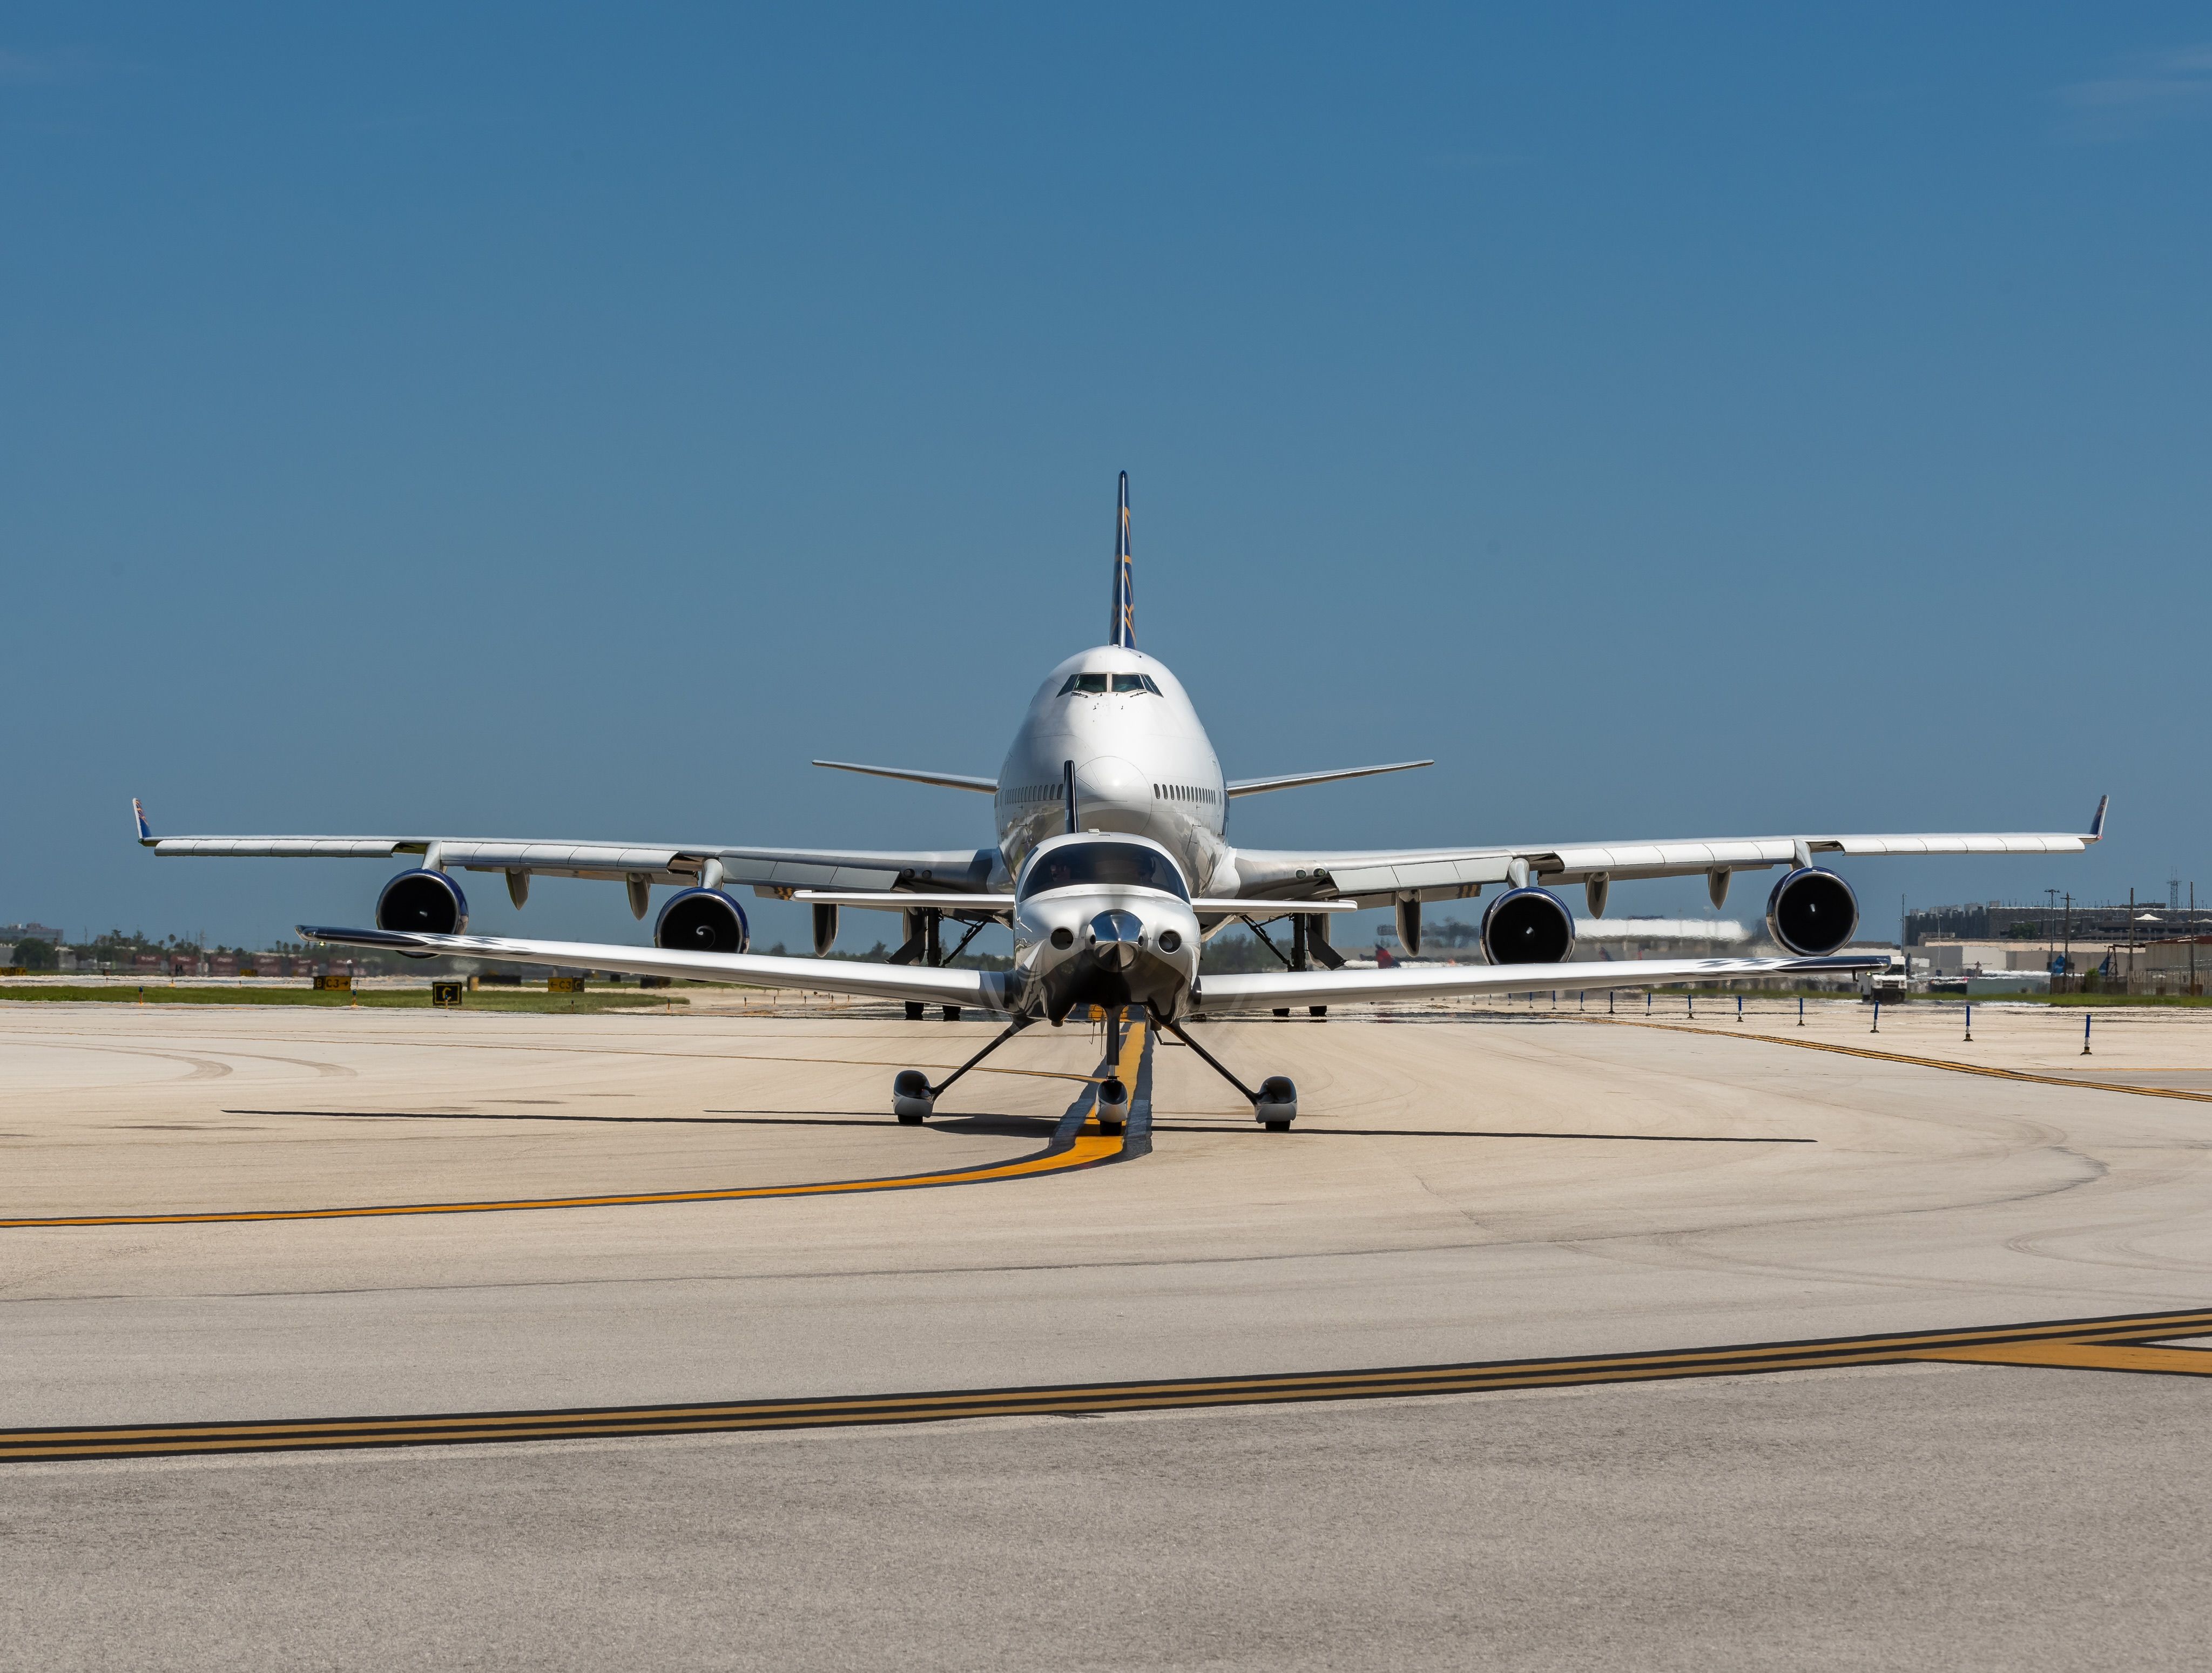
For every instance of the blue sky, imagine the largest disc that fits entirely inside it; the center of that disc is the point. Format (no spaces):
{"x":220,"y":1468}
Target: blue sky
{"x":567,"y":421}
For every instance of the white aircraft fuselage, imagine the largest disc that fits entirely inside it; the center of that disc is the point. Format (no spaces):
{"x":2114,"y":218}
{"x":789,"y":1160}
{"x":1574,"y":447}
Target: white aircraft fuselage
{"x":1117,"y":727}
{"x":1143,"y":765}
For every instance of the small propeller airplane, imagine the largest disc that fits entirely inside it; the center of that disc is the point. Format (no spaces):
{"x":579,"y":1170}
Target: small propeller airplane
{"x":1113,"y":868}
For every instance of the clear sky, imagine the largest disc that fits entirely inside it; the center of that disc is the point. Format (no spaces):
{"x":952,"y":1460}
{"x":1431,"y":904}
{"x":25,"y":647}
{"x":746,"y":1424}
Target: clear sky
{"x":555,"y":421}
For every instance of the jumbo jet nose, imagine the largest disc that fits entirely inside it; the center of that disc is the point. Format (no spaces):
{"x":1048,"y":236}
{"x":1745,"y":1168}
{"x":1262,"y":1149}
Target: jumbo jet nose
{"x":1112,"y":795}
{"x":1116,"y":935}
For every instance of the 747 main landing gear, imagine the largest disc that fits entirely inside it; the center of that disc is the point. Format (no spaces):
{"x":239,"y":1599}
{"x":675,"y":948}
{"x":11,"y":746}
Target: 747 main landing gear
{"x":1274,"y":1106}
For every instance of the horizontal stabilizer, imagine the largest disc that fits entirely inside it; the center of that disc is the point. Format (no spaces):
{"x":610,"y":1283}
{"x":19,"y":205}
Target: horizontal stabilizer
{"x":989,"y":787}
{"x":1253,"y":787}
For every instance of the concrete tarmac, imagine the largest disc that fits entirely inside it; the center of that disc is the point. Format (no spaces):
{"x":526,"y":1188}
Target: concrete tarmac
{"x":1463,"y":1185}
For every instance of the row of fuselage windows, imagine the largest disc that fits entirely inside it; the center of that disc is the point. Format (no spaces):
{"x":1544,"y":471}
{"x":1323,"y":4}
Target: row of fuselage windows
{"x":1099,"y":685}
{"x":1197,"y":793}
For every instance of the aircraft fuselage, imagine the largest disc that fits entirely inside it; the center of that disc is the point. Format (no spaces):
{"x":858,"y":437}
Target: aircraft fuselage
{"x":1143,"y":765}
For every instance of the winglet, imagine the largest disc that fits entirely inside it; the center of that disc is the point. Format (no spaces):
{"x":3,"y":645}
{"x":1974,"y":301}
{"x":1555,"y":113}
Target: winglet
{"x":1068,"y":794}
{"x":2097,"y":825}
{"x":145,"y":831}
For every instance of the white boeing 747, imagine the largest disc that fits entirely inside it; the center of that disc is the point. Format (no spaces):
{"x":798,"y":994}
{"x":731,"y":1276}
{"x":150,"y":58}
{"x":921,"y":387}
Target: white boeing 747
{"x":1113,"y":867}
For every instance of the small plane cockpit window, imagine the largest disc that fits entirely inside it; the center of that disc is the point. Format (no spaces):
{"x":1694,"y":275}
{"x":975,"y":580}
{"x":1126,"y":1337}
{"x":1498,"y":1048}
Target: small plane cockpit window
{"x":1110,"y":865}
{"x":1086,"y":683}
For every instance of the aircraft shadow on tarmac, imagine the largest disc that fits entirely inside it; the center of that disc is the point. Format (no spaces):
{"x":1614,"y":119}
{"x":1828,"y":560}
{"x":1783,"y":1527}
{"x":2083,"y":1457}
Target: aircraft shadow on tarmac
{"x":1016,"y":1125}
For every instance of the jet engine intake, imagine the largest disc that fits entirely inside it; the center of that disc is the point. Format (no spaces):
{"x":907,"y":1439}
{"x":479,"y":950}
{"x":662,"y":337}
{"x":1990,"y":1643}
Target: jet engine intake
{"x":422,"y":902}
{"x":1528,"y":926}
{"x":1811,"y":912}
{"x":702,"y":921}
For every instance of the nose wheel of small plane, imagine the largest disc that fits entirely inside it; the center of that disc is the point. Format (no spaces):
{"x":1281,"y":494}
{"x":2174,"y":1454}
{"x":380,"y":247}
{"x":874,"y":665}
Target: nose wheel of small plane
{"x":1112,"y":1105}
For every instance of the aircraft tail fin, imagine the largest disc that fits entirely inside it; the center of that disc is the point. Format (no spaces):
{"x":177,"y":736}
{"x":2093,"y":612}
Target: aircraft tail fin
{"x":1124,"y":631}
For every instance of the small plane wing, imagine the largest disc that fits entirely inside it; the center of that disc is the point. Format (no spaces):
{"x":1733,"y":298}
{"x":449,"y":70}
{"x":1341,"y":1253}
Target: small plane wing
{"x":1454,"y":874}
{"x":985,"y":988}
{"x":1219,"y":995}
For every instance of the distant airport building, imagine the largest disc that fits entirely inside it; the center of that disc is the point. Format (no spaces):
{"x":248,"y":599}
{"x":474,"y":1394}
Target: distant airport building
{"x":12,"y":935}
{"x":2042,"y":921}
{"x":1660,"y":938}
{"x":2147,"y":945}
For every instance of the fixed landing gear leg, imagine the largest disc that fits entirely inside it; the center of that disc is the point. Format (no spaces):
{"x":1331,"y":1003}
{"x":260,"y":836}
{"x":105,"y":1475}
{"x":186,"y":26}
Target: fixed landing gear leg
{"x":1274,"y":1106}
{"x":914,"y":1099}
{"x":1113,"y":1105}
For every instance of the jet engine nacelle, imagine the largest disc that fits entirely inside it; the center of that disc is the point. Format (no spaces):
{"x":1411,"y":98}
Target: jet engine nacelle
{"x":1811,"y":912}
{"x":424,"y":902}
{"x":702,"y":921}
{"x":1528,"y":926}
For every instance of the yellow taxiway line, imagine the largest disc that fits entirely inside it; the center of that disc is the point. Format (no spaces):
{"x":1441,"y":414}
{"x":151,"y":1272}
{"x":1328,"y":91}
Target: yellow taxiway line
{"x":1088,"y":1147}
{"x":2108,"y":1343}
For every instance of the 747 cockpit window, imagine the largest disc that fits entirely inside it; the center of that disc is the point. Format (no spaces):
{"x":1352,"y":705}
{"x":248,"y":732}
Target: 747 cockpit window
{"x":1109,"y":864}
{"x":1095,"y":684}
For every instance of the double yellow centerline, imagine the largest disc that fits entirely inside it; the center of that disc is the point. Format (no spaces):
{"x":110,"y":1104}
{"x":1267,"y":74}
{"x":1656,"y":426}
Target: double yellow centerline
{"x":2113,"y":1343}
